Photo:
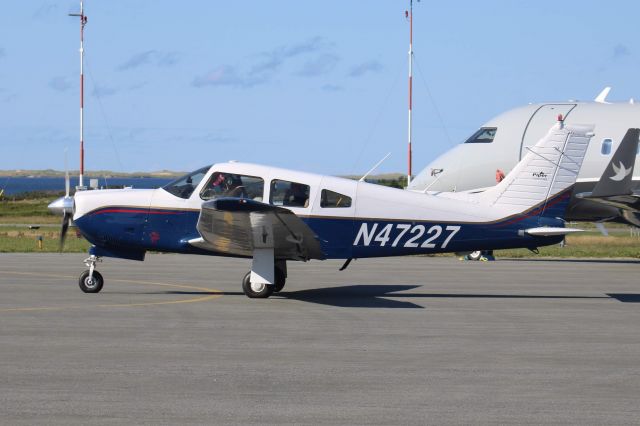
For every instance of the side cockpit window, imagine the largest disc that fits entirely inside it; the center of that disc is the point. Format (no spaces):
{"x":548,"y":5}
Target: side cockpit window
{"x":484,"y":135}
{"x":183,"y":187}
{"x":330,"y":199}
{"x":232,"y":185}
{"x":291,"y":194}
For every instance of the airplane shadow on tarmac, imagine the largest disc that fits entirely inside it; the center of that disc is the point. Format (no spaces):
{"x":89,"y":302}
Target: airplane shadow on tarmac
{"x":386,"y":296}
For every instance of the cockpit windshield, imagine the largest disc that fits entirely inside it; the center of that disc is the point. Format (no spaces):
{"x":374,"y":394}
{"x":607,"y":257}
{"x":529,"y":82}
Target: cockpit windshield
{"x":183,"y":187}
{"x":484,"y":135}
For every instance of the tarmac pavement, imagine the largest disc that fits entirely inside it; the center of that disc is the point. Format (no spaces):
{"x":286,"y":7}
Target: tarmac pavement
{"x":416,"y":340}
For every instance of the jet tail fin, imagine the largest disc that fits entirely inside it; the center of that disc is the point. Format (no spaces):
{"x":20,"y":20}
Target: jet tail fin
{"x":545,"y":176}
{"x":618,"y":176}
{"x":615,"y":187}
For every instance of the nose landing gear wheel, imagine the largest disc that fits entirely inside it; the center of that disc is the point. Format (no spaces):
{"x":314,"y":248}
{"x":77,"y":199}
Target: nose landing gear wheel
{"x":90,"y":284}
{"x":255,"y":291}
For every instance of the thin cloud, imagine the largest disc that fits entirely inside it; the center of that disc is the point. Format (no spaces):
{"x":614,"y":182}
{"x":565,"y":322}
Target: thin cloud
{"x":45,"y":10}
{"x":7,"y":96}
{"x":265,"y":65}
{"x":150,"y":57}
{"x":620,"y":51}
{"x":137,"y":86}
{"x":104,"y":91}
{"x":321,"y":65}
{"x":364,"y":68}
{"x":226,"y":75}
{"x":60,"y":84}
{"x":332,"y":88}
{"x":273,"y":59}
{"x":3,"y":53}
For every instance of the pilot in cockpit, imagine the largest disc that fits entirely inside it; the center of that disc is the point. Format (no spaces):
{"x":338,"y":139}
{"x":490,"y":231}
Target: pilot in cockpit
{"x":226,"y":185}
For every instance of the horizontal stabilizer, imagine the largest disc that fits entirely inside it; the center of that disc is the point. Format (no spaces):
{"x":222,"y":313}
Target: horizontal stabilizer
{"x":545,"y":231}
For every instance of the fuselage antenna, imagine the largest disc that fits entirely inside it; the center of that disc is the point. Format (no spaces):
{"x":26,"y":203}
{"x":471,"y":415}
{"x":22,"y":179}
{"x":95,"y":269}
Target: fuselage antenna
{"x":83,"y":22}
{"x":373,"y":168}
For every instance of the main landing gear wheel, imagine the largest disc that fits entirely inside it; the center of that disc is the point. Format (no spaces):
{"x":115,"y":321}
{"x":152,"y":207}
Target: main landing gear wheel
{"x":256,"y":291}
{"x":475,"y":255}
{"x":90,"y":284}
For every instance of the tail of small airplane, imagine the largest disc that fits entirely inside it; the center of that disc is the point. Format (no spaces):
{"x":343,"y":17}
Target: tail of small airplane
{"x":543,"y":179}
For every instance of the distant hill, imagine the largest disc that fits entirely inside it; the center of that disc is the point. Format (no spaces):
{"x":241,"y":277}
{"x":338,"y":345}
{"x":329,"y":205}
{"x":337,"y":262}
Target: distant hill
{"x":90,"y":174}
{"x":158,"y":174}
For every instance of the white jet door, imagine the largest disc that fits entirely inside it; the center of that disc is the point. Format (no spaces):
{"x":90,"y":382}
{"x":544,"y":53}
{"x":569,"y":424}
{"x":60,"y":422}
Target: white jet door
{"x":540,"y":123}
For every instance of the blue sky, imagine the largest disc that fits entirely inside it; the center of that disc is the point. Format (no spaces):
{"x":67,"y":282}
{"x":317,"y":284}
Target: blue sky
{"x":319,"y":86}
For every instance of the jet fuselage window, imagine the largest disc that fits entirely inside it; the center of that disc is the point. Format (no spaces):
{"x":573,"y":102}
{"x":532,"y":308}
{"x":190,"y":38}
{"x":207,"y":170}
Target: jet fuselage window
{"x":330,"y":199}
{"x":292,"y":194}
{"x":231,"y":185}
{"x":184,"y":186}
{"x":605,"y":149}
{"x":484,"y":135}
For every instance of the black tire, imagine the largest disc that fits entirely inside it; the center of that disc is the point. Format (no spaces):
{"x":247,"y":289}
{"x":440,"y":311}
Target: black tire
{"x":260,"y":292}
{"x":91,"y":286}
{"x":281,"y":279}
{"x":475,"y":255}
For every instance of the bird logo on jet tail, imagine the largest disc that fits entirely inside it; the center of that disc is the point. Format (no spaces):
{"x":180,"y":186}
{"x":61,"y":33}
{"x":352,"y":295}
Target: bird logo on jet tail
{"x":621,"y":172}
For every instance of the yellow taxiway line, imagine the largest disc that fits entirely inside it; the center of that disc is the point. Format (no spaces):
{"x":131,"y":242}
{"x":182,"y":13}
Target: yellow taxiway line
{"x":212,"y":294}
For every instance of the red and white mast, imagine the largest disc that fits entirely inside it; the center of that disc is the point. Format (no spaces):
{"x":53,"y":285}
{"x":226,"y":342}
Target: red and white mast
{"x":83,"y":22}
{"x":409,"y":15}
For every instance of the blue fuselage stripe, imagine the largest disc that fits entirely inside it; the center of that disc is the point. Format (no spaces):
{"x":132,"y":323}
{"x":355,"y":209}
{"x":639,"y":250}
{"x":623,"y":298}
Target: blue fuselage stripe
{"x":340,"y":238}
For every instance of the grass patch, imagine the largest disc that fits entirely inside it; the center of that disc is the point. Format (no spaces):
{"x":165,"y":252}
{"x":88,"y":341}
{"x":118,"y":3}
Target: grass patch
{"x":23,"y":240}
{"x":585,"y":245}
{"x":10,"y":209}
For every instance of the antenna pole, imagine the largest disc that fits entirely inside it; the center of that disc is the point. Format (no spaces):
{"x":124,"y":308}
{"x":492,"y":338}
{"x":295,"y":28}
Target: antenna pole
{"x":83,"y":22}
{"x":410,"y":13}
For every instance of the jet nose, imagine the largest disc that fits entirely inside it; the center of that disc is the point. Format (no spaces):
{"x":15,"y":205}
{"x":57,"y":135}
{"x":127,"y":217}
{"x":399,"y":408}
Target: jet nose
{"x":61,"y":206}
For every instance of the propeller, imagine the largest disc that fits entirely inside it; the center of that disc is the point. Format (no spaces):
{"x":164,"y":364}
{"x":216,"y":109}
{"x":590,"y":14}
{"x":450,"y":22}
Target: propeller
{"x":63,"y":232}
{"x":64,"y":206}
{"x":66,"y":215}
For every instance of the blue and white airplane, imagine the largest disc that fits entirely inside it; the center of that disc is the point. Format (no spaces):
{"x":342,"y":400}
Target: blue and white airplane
{"x":276,"y":215}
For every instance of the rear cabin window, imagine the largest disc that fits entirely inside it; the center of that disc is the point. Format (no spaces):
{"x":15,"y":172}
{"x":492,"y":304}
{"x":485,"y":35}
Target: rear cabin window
{"x":231,"y":185}
{"x":605,"y":149}
{"x":484,"y":135}
{"x":292,"y":194}
{"x":330,"y":199}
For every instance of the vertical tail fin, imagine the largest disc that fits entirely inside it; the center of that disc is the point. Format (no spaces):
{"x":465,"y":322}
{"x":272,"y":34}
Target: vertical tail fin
{"x":544,"y":176}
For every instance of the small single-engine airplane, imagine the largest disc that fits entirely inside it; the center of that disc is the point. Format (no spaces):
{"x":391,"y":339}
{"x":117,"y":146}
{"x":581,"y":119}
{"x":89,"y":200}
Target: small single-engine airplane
{"x":274,"y":215}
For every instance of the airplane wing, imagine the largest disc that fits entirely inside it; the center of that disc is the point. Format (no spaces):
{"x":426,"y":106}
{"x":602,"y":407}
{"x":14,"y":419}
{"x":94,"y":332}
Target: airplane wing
{"x":237,"y":226}
{"x":615,"y":187}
